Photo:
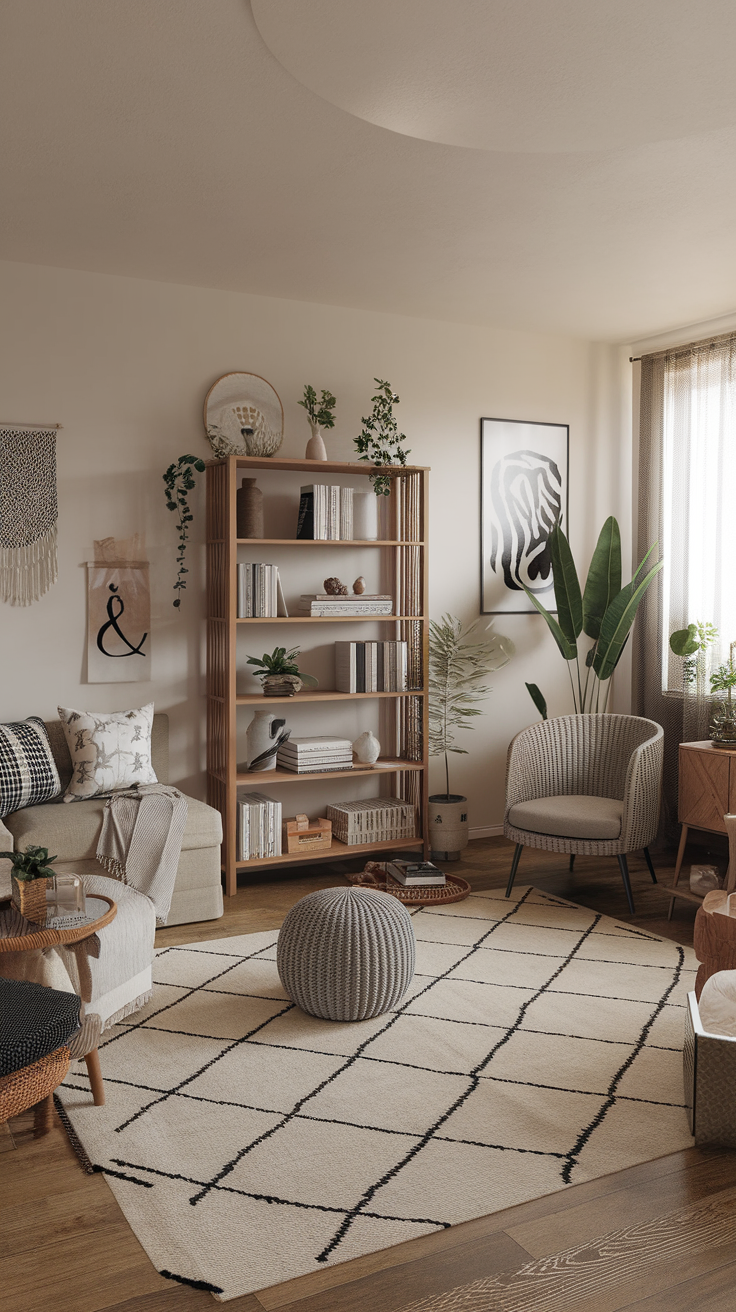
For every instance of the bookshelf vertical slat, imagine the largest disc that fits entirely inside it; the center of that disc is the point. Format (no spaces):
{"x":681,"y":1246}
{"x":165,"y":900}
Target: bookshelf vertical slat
{"x":424,"y":521}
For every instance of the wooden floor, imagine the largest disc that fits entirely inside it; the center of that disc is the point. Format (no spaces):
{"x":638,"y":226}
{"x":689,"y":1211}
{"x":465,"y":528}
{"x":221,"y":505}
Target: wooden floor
{"x":659,"y":1236}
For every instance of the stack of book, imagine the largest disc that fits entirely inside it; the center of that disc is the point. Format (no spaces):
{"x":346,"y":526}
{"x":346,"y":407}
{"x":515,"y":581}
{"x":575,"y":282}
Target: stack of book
{"x":325,"y":513}
{"x":371,"y":666}
{"x":259,"y":592}
{"x":326,"y":603}
{"x":372,"y":820}
{"x":315,"y":755}
{"x":415,"y":874}
{"x":259,"y":826}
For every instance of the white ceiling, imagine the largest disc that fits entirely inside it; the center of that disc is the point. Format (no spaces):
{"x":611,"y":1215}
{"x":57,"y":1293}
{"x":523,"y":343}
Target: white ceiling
{"x":563,"y":166}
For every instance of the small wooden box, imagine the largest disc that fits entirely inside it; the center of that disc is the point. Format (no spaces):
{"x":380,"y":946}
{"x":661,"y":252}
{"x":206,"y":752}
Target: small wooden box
{"x":303,"y":835}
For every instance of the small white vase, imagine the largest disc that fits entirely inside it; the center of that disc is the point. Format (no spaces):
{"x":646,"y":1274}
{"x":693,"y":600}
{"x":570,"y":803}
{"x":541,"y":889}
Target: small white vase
{"x":316,"y":449}
{"x":448,"y":826}
{"x":365,"y":516}
{"x":367,"y":748}
{"x":261,"y":738}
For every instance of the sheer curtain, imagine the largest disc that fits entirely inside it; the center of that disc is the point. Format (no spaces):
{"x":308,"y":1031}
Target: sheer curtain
{"x":687,"y":502}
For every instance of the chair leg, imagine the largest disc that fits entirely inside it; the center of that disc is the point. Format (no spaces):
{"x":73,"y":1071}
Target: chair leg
{"x":624,"y":868}
{"x":514,"y":868}
{"x":43,"y":1116}
{"x":92,"y":1062}
{"x":572,"y":861}
{"x":648,"y":860}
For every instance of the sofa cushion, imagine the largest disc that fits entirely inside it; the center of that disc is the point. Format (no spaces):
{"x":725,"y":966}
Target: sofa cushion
{"x":28,"y":771}
{"x":110,"y":750}
{"x":72,"y":832}
{"x":597,"y":818}
{"x":34,"y":1022}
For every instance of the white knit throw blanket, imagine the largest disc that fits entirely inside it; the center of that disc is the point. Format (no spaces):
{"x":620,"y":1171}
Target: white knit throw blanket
{"x":140,"y":840}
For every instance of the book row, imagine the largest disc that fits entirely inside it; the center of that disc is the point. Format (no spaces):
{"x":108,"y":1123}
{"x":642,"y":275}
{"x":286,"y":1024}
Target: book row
{"x":325,"y":513}
{"x":259,"y":826}
{"x":372,"y":820}
{"x":371,"y":666}
{"x":259,"y":591}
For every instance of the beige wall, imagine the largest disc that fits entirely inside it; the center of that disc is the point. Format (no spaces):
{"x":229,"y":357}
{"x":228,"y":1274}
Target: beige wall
{"x":124,"y":364}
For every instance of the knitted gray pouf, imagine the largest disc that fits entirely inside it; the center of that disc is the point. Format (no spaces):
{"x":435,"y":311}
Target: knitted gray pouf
{"x":346,"y":953}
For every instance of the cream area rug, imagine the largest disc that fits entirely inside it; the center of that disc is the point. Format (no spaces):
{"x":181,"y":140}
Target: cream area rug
{"x":539,"y":1045}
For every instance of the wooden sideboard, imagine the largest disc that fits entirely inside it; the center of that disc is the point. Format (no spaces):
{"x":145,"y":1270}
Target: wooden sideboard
{"x":706,"y":792}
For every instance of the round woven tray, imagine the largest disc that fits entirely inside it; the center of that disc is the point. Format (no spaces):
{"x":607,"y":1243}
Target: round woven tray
{"x":454,"y":891}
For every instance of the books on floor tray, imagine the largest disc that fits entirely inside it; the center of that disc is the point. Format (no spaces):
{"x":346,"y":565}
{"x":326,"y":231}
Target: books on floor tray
{"x":415,"y":874}
{"x":259,"y":826}
{"x":325,"y":513}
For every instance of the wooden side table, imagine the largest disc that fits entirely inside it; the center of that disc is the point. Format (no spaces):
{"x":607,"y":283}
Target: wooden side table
{"x":706,"y":792}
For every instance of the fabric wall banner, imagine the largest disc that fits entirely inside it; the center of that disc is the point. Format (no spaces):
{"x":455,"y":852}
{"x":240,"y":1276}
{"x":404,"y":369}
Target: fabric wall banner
{"x":28,"y":512}
{"x":119,"y":622}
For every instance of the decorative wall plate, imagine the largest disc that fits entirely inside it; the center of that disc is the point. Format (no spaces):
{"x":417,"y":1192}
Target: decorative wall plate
{"x":243,"y":416}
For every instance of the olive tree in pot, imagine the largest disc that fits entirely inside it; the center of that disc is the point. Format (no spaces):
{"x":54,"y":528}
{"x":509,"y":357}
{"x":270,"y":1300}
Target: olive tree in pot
{"x":458,"y":658}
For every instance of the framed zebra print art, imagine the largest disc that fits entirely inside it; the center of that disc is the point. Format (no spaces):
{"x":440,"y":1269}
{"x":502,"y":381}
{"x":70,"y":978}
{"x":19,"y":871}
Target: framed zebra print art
{"x":524,"y":492}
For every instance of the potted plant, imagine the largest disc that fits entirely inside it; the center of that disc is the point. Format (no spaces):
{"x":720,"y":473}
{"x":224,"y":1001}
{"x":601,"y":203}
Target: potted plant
{"x":31,"y":876}
{"x":380,"y":439}
{"x":280,"y":674}
{"x":458,"y":658}
{"x":723,"y":726}
{"x":604,"y":611}
{"x":320,"y":415}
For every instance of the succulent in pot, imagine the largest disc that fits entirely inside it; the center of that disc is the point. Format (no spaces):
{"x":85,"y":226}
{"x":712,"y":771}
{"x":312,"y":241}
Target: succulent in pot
{"x":279,"y":673}
{"x":31,"y":877}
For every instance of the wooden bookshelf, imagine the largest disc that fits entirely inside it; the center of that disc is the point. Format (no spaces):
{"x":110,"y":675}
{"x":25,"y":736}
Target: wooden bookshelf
{"x":223,"y":700}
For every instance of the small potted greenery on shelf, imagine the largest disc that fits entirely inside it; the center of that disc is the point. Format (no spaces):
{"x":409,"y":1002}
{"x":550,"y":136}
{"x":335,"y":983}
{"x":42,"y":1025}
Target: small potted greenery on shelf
{"x":723,"y":726}
{"x":320,"y":414}
{"x":31,"y":876}
{"x":280,"y":674}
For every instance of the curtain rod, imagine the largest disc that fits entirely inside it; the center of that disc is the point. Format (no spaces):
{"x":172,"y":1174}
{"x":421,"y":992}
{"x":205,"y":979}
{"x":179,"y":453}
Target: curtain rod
{"x":31,"y":425}
{"x":634,"y":358}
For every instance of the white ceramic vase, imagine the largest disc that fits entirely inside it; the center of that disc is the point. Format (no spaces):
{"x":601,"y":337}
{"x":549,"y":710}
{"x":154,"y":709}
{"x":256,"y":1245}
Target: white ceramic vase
{"x":448,"y":826}
{"x":365,"y":516}
{"x":316,"y":449}
{"x":367,"y":748}
{"x":262,"y":735}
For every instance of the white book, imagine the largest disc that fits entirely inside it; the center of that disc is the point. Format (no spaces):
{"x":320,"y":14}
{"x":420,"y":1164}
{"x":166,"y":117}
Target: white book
{"x":346,"y":514}
{"x":345,"y":667}
{"x":333,"y":514}
{"x":347,"y":607}
{"x":316,"y":743}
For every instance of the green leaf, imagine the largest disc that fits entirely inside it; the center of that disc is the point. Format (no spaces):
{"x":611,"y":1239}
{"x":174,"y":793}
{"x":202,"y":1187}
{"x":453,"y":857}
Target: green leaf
{"x":604,"y":577}
{"x":617,"y":621}
{"x":538,"y":699}
{"x":568,"y":650}
{"x":567,"y":586}
{"x":684,"y":642}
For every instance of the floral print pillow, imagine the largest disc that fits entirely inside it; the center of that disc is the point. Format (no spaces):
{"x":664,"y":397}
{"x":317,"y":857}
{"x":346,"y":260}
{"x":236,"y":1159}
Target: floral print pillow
{"x":110,"y":750}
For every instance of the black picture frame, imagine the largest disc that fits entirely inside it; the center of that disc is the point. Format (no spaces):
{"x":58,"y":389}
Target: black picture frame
{"x":524,"y":490}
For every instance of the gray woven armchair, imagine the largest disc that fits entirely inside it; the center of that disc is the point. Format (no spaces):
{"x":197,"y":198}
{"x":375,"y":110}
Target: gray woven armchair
{"x":585,"y":784}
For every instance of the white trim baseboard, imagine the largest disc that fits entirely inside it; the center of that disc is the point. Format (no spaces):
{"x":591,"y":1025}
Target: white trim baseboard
{"x":486,"y":831}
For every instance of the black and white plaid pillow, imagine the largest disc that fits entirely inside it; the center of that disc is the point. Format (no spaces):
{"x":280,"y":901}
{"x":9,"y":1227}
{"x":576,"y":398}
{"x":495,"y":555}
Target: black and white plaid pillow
{"x":28,"y":772}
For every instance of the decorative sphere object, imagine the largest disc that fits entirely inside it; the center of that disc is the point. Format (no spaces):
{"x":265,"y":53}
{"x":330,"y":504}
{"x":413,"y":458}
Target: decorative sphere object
{"x":359,"y":585}
{"x":335,"y":588}
{"x":367,"y":748}
{"x":346,"y":953}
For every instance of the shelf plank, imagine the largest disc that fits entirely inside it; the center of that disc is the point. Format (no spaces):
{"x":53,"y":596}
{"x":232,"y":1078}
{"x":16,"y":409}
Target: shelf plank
{"x":323,"y":542}
{"x":338,"y":852}
{"x":324,"y":619}
{"x":383,"y":765}
{"x":318,"y":695}
{"x":361,"y":467}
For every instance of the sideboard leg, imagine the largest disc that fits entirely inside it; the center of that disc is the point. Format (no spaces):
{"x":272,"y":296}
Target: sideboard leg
{"x":678,"y":864}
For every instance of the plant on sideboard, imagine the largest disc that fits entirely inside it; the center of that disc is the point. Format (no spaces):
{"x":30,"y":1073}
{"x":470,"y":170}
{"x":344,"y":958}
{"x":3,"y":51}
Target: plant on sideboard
{"x":459,"y":657}
{"x":380,"y":440}
{"x":723,"y":726}
{"x":179,"y":481}
{"x":692,"y":644}
{"x":280,"y":674}
{"x":604,"y":611}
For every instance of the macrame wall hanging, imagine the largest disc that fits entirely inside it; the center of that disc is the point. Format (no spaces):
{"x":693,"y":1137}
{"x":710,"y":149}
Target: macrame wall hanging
{"x":28,"y":512}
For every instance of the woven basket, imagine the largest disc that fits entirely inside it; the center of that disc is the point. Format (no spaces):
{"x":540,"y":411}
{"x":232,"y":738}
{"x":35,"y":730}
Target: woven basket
{"x":29,"y":896}
{"x":28,"y":1086}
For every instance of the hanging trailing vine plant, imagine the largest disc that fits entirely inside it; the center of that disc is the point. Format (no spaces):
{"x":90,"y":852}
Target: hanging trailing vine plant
{"x":179,"y":480}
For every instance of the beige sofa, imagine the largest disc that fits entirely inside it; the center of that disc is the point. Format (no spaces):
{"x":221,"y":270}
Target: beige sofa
{"x":70,"y":831}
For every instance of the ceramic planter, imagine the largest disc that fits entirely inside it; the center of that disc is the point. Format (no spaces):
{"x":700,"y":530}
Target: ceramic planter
{"x":448,"y":826}
{"x":29,"y":897}
{"x":316,"y":449}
